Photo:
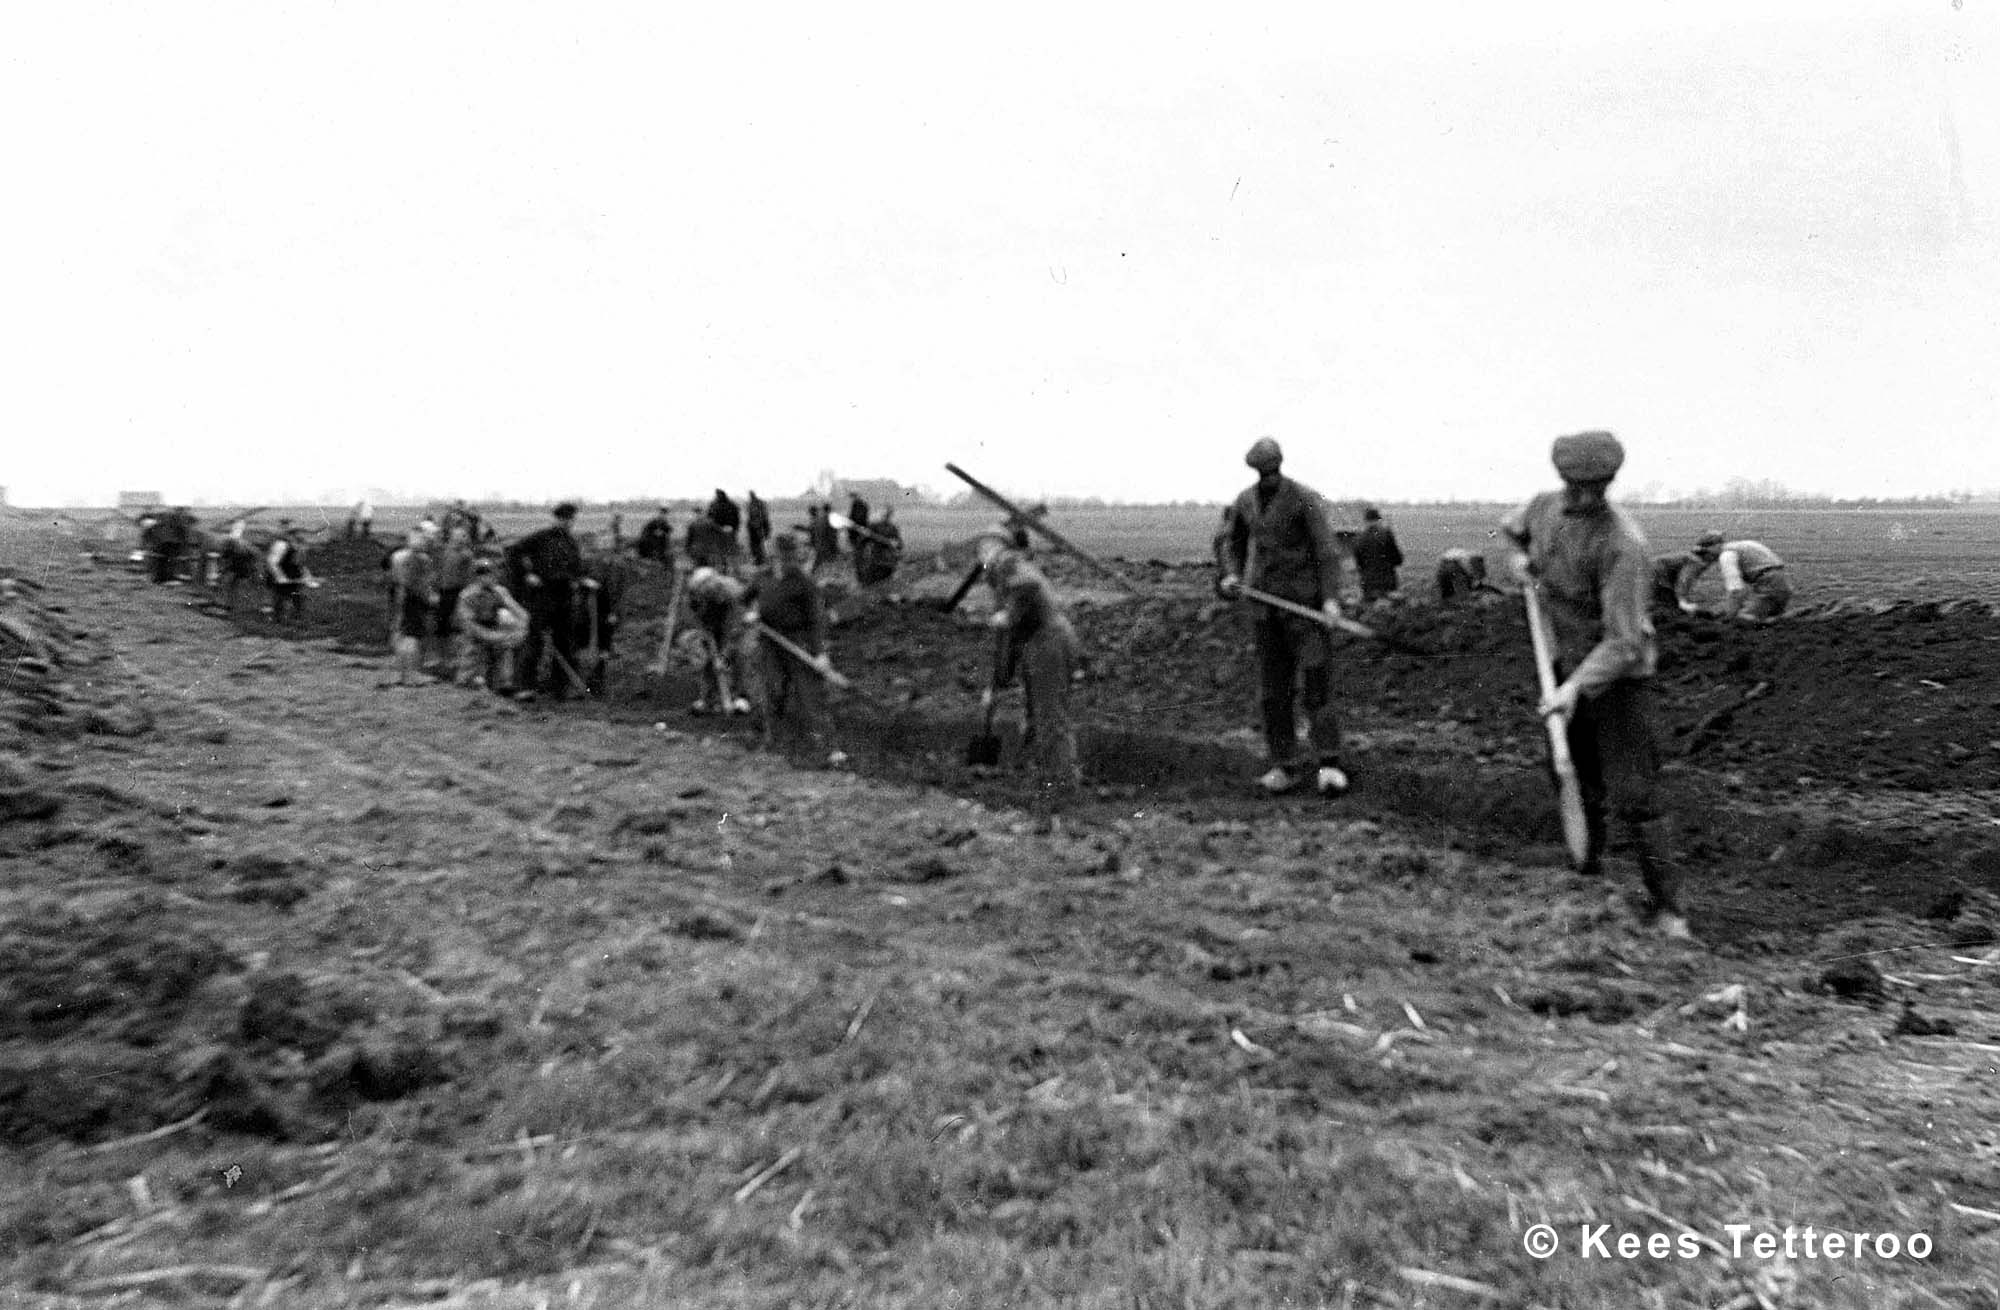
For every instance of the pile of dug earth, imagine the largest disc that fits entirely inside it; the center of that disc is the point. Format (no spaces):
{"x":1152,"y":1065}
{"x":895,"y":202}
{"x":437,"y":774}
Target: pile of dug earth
{"x":1841,"y":760}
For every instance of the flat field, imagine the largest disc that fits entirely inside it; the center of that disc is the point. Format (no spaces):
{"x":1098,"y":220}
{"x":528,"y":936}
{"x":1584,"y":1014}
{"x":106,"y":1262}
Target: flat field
{"x":1887,"y":554}
{"x":318,"y":992}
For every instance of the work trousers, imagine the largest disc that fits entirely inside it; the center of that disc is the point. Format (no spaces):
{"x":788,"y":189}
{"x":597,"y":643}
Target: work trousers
{"x":1047,"y":663}
{"x":288,"y":599}
{"x":1616,"y":752}
{"x":552,"y":624}
{"x":1770,"y":596}
{"x":488,"y":654}
{"x":1293,"y":657}
{"x":790,"y":699}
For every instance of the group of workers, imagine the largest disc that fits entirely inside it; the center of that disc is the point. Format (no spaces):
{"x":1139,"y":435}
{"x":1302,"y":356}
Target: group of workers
{"x":1587,"y":561}
{"x":759,"y":635}
{"x":539,"y":618}
{"x":176,"y":549}
{"x":716,"y":535}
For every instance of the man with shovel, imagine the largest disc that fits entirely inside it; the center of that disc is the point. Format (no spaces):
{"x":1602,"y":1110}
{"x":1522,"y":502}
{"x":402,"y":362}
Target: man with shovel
{"x":790,"y":695}
{"x":1277,"y":540}
{"x":1032,"y":637}
{"x":1588,"y":561}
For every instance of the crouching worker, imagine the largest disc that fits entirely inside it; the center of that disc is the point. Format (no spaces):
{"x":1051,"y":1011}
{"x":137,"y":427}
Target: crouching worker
{"x":1461,"y":575}
{"x":1034,"y":639}
{"x":792,"y":701}
{"x":1754,"y":583}
{"x":716,"y":601}
{"x":492,"y":628}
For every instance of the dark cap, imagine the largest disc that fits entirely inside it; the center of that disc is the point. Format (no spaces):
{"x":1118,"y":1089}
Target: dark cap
{"x":565,"y":511}
{"x":1264,"y":455}
{"x":1371,"y":515}
{"x":1588,"y":457}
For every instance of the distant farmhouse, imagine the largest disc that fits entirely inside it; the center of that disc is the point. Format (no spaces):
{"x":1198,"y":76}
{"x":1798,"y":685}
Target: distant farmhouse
{"x":880,"y":493}
{"x":138,"y":499}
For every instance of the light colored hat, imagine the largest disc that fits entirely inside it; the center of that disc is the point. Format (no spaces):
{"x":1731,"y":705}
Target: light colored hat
{"x":1264,"y":455}
{"x":1588,"y":457}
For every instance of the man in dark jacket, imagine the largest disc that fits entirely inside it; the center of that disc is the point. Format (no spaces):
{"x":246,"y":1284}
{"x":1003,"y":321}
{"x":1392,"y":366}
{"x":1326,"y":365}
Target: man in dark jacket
{"x":857,"y":514}
{"x":545,"y":568}
{"x":1376,"y":556}
{"x":709,"y":544}
{"x":1276,"y":539}
{"x":757,"y":526}
{"x":791,"y":699}
{"x":879,"y":552}
{"x":656,"y":538}
{"x":723,"y":512}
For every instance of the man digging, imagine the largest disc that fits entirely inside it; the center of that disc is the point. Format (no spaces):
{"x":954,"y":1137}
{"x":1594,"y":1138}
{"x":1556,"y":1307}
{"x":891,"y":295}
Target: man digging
{"x":1590,"y":562}
{"x":1276,"y":538}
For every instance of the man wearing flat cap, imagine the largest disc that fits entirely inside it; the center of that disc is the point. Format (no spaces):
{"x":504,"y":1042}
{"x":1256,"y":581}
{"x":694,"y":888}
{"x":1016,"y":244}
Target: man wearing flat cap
{"x":1276,"y":538}
{"x":1590,"y":561}
{"x":546,"y":567}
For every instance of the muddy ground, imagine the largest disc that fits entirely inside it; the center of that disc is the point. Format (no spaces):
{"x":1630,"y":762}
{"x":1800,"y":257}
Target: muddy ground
{"x":322,"y":993}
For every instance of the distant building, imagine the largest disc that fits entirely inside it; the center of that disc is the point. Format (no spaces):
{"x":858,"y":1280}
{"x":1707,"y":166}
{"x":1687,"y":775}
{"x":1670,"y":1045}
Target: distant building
{"x":139,"y":499}
{"x":880,"y":493}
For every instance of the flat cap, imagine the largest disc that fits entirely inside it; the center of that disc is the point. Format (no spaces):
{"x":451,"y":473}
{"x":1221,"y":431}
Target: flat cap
{"x":1264,"y":455}
{"x":1588,"y":456}
{"x":1710,"y":541}
{"x":564,"y":511}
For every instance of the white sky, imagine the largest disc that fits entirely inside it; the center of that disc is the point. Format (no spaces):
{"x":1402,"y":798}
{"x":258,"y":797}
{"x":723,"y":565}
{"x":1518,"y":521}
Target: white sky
{"x":267,"y":251}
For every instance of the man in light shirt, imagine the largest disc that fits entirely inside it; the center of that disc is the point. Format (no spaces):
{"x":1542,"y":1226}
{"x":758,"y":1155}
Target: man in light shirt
{"x":1589,"y":560}
{"x":1753,"y":578}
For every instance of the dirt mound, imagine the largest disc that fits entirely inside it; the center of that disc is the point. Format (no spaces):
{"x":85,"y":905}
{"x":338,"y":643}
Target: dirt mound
{"x":1900,"y":697}
{"x":51,"y":678}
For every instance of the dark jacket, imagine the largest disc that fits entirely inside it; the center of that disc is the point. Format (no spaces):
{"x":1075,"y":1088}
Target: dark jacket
{"x":722,"y":510}
{"x":790,"y":605}
{"x":552,"y":555}
{"x":708,"y":545}
{"x":1376,"y":559}
{"x":758,"y":520}
{"x":656,"y":539}
{"x":1283,"y":545}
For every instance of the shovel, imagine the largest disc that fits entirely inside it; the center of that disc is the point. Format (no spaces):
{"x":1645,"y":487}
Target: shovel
{"x":1334,"y":622}
{"x":983,"y":751}
{"x":1569,"y":793}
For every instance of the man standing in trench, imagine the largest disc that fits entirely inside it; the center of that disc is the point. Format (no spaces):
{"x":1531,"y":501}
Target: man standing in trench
{"x":1590,"y":561}
{"x":1276,"y":538}
{"x":1034,"y":639}
{"x":547,"y":566}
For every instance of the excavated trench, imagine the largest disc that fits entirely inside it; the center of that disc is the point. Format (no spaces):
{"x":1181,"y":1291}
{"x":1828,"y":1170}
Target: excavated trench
{"x":1841,"y":763}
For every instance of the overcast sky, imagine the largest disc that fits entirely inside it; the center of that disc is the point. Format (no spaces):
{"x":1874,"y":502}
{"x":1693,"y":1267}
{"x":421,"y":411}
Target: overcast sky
{"x":271,"y":251}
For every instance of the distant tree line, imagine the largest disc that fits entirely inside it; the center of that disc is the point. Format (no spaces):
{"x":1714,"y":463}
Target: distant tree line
{"x":1765,"y":493}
